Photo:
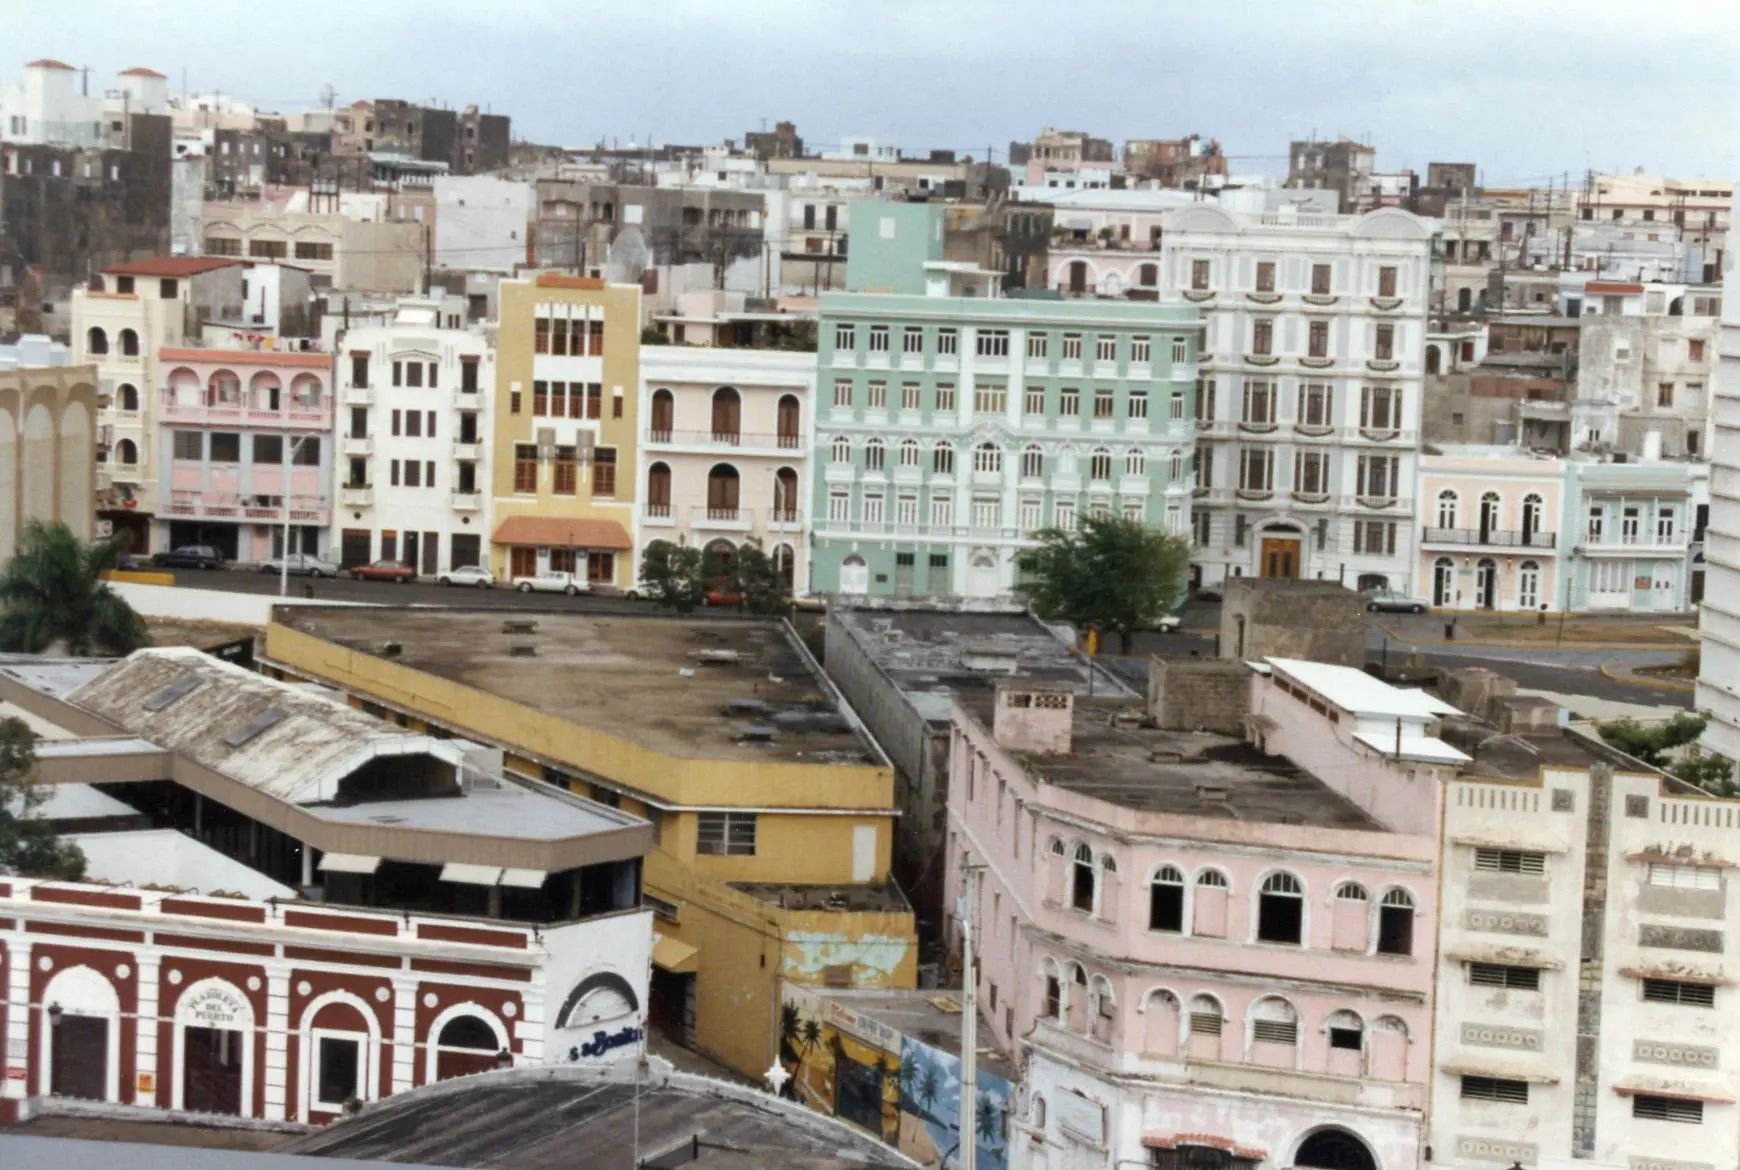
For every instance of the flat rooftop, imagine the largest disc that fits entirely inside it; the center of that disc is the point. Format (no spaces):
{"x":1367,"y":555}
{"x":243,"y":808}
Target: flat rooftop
{"x":886,"y":899}
{"x":933,"y":655}
{"x":694,"y":688}
{"x":1158,"y":771}
{"x":932,"y":1016}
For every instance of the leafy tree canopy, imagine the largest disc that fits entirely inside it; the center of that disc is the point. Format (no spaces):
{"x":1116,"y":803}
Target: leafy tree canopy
{"x":28,"y":844}
{"x":1654,"y":744}
{"x":52,"y":592}
{"x":671,"y":575}
{"x":1110,"y":572}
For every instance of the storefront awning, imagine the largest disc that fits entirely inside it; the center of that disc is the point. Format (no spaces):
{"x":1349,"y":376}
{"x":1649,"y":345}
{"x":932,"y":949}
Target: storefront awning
{"x":525,"y":879}
{"x":561,"y":532}
{"x":471,"y":875}
{"x":679,"y":958}
{"x":348,"y":863}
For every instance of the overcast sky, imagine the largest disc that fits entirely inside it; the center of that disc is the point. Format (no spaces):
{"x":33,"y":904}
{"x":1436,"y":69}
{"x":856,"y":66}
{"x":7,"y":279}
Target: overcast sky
{"x":1524,"y":88}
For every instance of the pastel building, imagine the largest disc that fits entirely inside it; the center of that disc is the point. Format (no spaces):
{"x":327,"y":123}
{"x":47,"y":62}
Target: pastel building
{"x":565,"y":429}
{"x":47,"y":420}
{"x":413,"y":441}
{"x":953,"y":423}
{"x":244,"y":447}
{"x":1632,"y":528}
{"x":1719,"y":615}
{"x":1212,"y":950}
{"x":725,"y":447}
{"x":1490,"y":527}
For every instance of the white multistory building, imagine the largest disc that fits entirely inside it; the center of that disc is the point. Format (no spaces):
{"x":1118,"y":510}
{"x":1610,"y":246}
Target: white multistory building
{"x":1308,"y":403}
{"x":1719,"y":678}
{"x":413,"y":442}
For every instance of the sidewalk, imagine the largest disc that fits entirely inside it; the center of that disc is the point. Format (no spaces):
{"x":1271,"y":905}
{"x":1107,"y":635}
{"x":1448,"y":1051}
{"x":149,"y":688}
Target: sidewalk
{"x":1574,"y":634}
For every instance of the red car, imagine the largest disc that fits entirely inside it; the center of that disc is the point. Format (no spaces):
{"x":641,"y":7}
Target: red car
{"x":395,"y":571}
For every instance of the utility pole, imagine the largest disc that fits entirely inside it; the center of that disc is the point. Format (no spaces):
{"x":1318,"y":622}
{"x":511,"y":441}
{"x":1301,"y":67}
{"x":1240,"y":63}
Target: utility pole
{"x":969,"y":1026}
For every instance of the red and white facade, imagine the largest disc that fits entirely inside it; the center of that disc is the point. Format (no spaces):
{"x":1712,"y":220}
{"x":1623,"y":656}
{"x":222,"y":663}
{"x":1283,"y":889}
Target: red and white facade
{"x":282,"y":1011}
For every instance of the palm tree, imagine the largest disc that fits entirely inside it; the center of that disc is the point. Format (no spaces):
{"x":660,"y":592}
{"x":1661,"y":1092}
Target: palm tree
{"x":989,"y":1121}
{"x":788,"y":1032}
{"x":929,"y":1085}
{"x":52,"y":591}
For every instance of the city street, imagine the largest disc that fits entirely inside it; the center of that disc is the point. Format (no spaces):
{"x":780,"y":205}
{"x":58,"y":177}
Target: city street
{"x":416,"y":593}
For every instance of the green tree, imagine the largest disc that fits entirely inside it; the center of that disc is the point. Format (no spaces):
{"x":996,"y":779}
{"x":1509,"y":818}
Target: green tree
{"x":750,"y":574}
{"x":27,"y":842}
{"x":929,"y":1087}
{"x":671,"y":575}
{"x":52,"y":592}
{"x":1651,"y":742}
{"x":989,"y":1121}
{"x":1109,"y":572}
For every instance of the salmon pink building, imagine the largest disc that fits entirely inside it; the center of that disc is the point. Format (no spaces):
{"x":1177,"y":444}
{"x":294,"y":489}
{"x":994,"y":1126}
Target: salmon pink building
{"x":1214,"y":950}
{"x":245,"y":446}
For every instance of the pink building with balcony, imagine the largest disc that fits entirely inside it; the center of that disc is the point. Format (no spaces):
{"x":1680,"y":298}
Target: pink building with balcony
{"x":1215,"y":951}
{"x":246,"y":447}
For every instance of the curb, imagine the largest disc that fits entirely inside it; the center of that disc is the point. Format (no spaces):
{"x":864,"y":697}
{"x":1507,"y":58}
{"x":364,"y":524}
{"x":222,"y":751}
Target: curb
{"x":1652,"y":647}
{"x":1672,"y":686}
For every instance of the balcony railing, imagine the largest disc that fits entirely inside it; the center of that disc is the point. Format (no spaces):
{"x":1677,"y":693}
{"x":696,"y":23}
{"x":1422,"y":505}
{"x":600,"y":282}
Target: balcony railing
{"x":657,"y":436}
{"x":235,"y":414}
{"x":466,"y":501}
{"x":223,"y":506}
{"x":1488,"y":537}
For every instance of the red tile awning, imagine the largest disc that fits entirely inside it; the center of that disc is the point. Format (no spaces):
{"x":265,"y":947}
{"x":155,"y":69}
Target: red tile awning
{"x":561,"y":532}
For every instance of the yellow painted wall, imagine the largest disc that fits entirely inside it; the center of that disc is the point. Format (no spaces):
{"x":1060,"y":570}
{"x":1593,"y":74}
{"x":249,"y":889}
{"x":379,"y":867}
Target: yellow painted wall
{"x":788,"y":848}
{"x":513,"y":371}
{"x":673,"y":780}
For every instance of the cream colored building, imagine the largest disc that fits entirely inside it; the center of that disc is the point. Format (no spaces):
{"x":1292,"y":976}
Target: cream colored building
{"x":352,"y":242}
{"x":725,"y":446}
{"x":47,"y":452}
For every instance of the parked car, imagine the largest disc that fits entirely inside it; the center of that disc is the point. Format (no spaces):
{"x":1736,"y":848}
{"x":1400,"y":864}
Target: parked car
{"x":551,"y":582}
{"x":1389,"y":601}
{"x":190,"y":556}
{"x":475,"y":575}
{"x":396,"y":571}
{"x":301,"y":564}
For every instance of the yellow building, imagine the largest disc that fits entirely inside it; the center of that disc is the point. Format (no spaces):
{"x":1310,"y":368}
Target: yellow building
{"x":773,"y":807}
{"x":567,"y":376}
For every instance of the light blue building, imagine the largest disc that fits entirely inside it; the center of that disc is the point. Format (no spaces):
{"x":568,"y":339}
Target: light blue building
{"x":953,"y":422}
{"x":1632,"y":527}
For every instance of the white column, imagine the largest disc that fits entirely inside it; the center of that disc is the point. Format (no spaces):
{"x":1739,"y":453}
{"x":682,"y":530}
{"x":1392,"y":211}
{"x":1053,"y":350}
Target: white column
{"x":17,"y":1015}
{"x":277,"y":1039}
{"x":145,"y":1059}
{"x":405,"y":1052}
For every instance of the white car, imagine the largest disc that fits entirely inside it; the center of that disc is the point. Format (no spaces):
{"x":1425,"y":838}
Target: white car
{"x":551,"y":582}
{"x":475,"y":575}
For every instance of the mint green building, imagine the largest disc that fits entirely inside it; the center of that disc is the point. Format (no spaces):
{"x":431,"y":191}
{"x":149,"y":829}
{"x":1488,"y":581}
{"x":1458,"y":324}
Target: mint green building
{"x":951,"y":422}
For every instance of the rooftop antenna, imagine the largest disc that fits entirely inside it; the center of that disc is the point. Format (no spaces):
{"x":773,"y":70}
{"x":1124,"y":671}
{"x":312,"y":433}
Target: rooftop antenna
{"x":328,"y":95}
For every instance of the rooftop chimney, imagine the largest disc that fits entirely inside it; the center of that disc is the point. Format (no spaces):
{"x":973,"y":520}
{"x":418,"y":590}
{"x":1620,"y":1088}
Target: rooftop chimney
{"x":1034,"y":717}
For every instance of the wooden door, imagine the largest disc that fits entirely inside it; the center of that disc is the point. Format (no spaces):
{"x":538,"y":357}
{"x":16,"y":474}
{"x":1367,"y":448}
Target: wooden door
{"x":80,"y":1056}
{"x":1280,"y":557}
{"x":523,"y":562}
{"x":211,"y":1070}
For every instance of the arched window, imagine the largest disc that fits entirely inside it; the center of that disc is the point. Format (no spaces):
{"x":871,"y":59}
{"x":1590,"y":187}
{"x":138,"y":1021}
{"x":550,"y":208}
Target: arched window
{"x":129,"y":343}
{"x":874,"y":455}
{"x":1447,"y":509}
{"x":1036,"y":1114}
{"x":842,"y":449}
{"x":1100,"y":465}
{"x":1528,"y":585}
{"x":1334,"y":1149}
{"x":1281,"y":910}
{"x":1396,"y":923}
{"x":909,"y":453}
{"x":727,"y":415}
{"x":1102,"y":1009}
{"x":305,"y":390}
{"x":1432,"y":359}
{"x":1351,"y":892}
{"x":129,"y":398}
{"x":1346,"y":1033}
{"x":1166,"y":900}
{"x":96,"y":342}
{"x":722,"y":484}
{"x":1135,"y":462}
{"x":658,"y":490}
{"x":1032,"y":461}
{"x":264,"y":391}
{"x":1055,"y":848}
{"x":785,"y":495}
{"x":664,"y":410}
{"x":1491,"y":507}
{"x":942,"y":459}
{"x":1443,"y":581}
{"x":1160,"y":1032}
{"x":988,"y":457}
{"x":1274,"y":1021}
{"x":1208,"y":912}
{"x":1078,"y":276}
{"x":1388,"y":1049}
{"x":789,"y":422}
{"x":1108,"y":863}
{"x":1534,"y":510}
{"x":1081,"y":888}
{"x":1052,"y":1008}
{"x":127,"y":452}
{"x":223,"y":388}
{"x":1351,"y":918}
{"x":785,"y":560}
{"x":1204,"y":1025}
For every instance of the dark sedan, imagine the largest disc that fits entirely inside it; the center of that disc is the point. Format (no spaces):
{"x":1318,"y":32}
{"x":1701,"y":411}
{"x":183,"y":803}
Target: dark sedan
{"x":189,"y":556}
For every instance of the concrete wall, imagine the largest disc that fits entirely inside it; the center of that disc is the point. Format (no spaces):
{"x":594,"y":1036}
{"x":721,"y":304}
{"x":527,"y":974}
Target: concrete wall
{"x":1314,"y":620}
{"x":1198,"y":694}
{"x":213,"y":605}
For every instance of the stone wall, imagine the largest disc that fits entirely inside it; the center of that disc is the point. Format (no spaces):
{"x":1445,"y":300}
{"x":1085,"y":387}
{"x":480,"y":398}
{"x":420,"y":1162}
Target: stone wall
{"x":1319,"y":621}
{"x":1195,"y":694}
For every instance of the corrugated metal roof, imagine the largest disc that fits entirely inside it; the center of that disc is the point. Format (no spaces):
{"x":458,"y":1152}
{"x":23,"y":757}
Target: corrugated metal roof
{"x":298,"y":758}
